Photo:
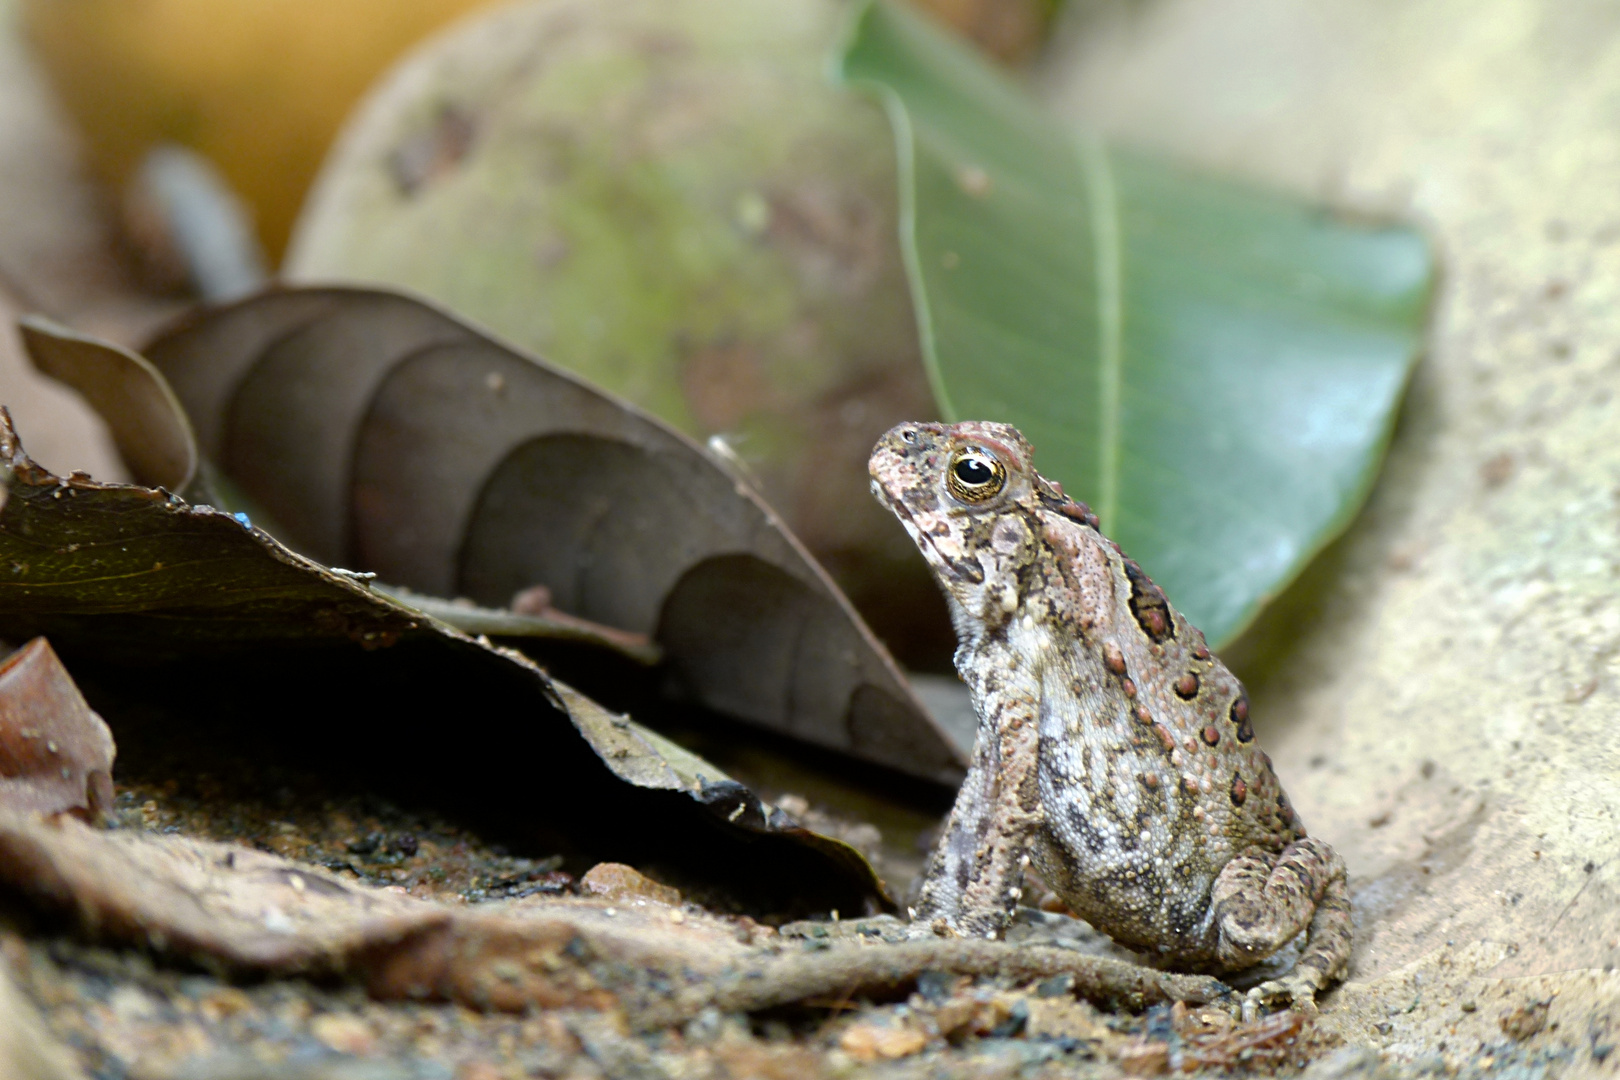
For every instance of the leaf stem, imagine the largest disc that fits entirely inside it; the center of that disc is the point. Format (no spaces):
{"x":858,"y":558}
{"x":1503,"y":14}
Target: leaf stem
{"x":1106,"y":250}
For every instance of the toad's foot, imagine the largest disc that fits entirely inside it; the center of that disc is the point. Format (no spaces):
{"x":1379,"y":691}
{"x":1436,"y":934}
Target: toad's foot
{"x":1297,"y":988}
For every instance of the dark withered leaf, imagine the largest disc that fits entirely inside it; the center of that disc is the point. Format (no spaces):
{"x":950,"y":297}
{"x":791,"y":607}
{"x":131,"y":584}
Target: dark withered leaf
{"x":380,"y":433}
{"x":155,"y":439}
{"x":194,"y":607}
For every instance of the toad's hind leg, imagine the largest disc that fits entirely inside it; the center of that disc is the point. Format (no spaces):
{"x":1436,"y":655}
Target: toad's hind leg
{"x":1263,"y":901}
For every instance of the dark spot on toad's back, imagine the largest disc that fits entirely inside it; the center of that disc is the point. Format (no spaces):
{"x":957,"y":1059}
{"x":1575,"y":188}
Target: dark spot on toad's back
{"x":1113,"y":658}
{"x":1148,"y":604}
{"x":1239,"y":714}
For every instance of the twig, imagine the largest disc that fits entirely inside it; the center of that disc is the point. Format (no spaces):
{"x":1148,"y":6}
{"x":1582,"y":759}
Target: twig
{"x":852,"y":969}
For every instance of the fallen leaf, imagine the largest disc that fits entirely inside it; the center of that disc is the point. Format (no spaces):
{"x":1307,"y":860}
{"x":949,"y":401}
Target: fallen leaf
{"x":56,"y":754}
{"x":253,"y":912}
{"x":739,"y":279}
{"x":148,"y":426}
{"x":379,"y":433}
{"x":315,"y":667}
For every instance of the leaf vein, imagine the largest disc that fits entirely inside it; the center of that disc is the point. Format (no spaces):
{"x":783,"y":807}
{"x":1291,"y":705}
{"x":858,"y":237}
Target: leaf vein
{"x":1109,"y":277}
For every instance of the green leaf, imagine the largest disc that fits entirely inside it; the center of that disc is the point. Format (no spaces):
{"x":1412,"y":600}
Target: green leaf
{"x":1215,"y":369}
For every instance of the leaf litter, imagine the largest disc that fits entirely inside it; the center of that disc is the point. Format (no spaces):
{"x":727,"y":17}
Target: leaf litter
{"x":627,"y":949}
{"x":330,"y":882}
{"x":345,"y":889}
{"x":307,"y":658}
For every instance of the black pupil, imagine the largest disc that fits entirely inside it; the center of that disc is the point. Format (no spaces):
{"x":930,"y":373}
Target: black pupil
{"x":973,"y":472}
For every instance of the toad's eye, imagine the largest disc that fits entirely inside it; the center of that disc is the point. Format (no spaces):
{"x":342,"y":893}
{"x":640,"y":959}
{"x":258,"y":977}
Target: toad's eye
{"x":975,"y":475}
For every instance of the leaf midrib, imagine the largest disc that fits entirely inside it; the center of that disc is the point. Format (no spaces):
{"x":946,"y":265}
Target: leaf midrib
{"x":1108,"y":258}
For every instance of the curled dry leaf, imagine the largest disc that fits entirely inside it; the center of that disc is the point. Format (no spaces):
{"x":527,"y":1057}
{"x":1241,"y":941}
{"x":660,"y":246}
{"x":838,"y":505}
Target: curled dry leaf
{"x":380,"y":433}
{"x":56,"y":755}
{"x":148,"y":425}
{"x":154,"y":437}
{"x":197,"y":611}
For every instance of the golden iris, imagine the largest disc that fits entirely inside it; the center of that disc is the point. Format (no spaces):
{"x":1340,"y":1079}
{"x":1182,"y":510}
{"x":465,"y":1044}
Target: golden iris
{"x":975,"y":475}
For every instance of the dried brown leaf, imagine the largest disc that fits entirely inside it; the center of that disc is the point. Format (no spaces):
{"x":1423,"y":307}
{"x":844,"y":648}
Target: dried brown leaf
{"x":146,"y":421}
{"x":191,"y":607}
{"x":380,"y":433}
{"x":56,"y":755}
{"x":249,"y":911}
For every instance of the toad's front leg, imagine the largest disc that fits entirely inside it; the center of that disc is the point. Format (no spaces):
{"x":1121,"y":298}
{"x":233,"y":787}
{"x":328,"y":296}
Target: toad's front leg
{"x":976,"y":874}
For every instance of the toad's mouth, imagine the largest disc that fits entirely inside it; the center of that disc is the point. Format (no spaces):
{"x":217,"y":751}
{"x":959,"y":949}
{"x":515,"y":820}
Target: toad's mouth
{"x":898,"y":508}
{"x":959,"y":571}
{"x":894,"y":505}
{"x":890,"y":502}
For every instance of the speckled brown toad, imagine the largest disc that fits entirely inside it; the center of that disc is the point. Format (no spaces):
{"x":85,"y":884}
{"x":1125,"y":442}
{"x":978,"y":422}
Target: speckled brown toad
{"x":1114,"y":750}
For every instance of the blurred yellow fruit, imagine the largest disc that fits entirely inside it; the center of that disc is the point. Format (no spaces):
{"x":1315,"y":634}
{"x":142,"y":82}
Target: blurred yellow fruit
{"x":257,"y":86}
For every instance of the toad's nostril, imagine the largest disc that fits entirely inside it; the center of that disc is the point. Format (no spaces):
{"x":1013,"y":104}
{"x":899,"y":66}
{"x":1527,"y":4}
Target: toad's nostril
{"x":909,"y":436}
